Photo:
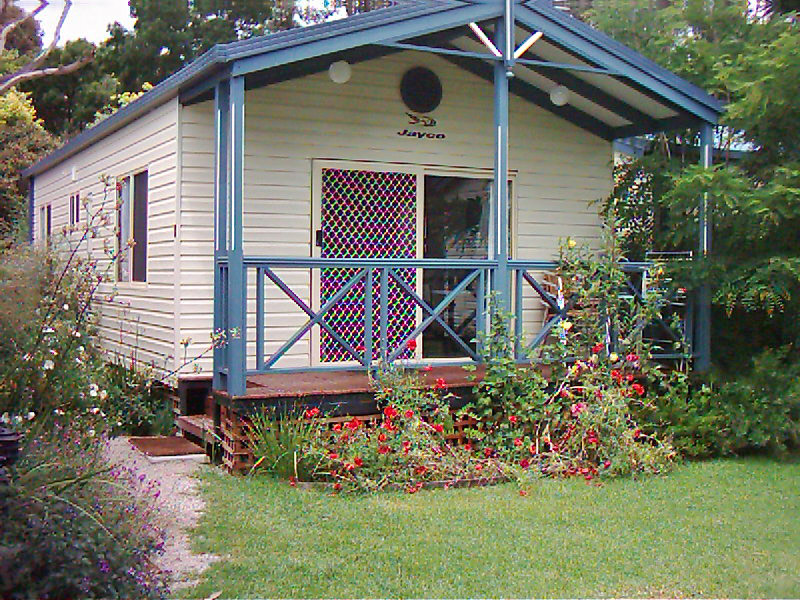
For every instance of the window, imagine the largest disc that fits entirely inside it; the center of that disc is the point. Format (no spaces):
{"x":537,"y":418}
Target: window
{"x":45,"y":224}
{"x":132,"y":227}
{"x":75,"y":209}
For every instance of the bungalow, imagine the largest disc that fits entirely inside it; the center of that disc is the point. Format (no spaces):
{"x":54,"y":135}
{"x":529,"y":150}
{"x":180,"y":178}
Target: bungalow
{"x":326,"y":198}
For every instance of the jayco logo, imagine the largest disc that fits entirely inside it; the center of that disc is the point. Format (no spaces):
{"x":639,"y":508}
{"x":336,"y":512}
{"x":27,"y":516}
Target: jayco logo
{"x":423,"y":121}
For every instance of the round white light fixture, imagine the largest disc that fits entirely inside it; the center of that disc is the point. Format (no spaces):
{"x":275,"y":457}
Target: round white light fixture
{"x":340,"y":71}
{"x":559,"y":95}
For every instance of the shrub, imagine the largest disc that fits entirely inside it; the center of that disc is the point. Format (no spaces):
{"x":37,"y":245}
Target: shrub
{"x":280,"y":441}
{"x":135,"y":401}
{"x":74,"y":527}
{"x":756,"y":411}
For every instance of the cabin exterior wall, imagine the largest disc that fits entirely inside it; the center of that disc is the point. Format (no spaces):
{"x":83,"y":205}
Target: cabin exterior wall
{"x":139,"y":322}
{"x":558,"y":170}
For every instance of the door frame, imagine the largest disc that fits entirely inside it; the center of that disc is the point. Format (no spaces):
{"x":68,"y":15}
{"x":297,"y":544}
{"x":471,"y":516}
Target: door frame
{"x":420,"y":171}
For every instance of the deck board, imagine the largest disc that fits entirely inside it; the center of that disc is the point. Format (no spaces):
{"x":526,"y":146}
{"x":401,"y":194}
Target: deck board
{"x":333,"y":383}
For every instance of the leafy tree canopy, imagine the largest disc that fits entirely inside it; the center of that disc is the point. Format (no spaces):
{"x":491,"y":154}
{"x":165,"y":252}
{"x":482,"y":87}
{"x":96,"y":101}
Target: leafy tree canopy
{"x":750,"y":60}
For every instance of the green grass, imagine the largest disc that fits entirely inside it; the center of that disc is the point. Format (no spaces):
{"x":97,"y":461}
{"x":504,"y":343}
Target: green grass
{"x":721,"y":528}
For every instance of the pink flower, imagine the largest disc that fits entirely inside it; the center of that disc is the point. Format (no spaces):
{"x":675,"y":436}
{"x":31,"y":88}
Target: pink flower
{"x":632,"y":357}
{"x":524,"y":463}
{"x":333,"y":455}
{"x":523,"y":492}
{"x":337,"y":486}
{"x":408,"y":414}
{"x":577,"y":408}
{"x":487,"y":452}
{"x":518,"y":442}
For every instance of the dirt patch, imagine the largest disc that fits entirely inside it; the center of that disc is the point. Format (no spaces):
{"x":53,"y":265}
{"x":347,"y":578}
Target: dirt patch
{"x":181,"y":505}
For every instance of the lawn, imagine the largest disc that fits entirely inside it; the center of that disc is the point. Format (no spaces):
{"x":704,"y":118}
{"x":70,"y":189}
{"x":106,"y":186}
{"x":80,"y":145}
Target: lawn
{"x":726,"y":528}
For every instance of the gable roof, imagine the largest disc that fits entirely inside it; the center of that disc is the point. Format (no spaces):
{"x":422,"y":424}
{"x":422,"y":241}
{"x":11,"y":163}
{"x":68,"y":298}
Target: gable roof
{"x":639,"y":96}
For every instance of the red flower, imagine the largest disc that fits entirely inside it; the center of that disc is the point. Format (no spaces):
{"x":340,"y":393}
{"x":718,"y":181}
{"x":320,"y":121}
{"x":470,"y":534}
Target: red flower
{"x":532,"y":448}
{"x":292,"y":481}
{"x":360,"y":348}
{"x":337,"y":427}
{"x":598,"y":348}
{"x":333,"y":455}
{"x":345,"y":437}
{"x":591,"y":437}
{"x":513,"y":418}
{"x":564,"y":393}
{"x":421,"y":470}
{"x":440,"y":384}
{"x":632,"y":357}
{"x":638,"y":388}
{"x":616,"y":375}
{"x":412,"y":345}
{"x":588,"y":477}
{"x":468,"y":447}
{"x":487,"y":452}
{"x":524,"y":463}
{"x":629,"y":377}
{"x":311,"y":413}
{"x":408,"y":414}
{"x":406,"y":444}
{"x":358,"y":461}
{"x":438,"y":427}
{"x":337,"y":486}
{"x":518,"y":441}
{"x":523,"y":492}
{"x":390,"y":412}
{"x":637,"y":433}
{"x":607,"y":464}
{"x":384,"y":450}
{"x":598,"y":394}
{"x":353,"y":424}
{"x":388,"y":425}
{"x":349,"y":466}
{"x":382,"y":437}
{"x":427,"y":368}
{"x":479,"y":467}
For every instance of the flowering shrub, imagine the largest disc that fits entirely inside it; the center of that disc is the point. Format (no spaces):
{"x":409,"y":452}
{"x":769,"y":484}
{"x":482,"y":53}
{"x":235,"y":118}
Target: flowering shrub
{"x":73,"y":527}
{"x":579,"y":421}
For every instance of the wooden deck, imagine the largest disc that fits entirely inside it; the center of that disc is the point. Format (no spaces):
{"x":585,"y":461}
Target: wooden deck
{"x":349,"y":392}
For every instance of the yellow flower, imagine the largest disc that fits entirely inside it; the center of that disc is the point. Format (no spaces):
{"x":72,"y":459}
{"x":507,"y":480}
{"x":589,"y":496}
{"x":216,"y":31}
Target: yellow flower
{"x":613,"y":357}
{"x":566,"y":325}
{"x":571,"y":243}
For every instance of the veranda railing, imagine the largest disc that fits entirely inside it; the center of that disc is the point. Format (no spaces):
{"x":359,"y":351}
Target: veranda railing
{"x":383,"y":344}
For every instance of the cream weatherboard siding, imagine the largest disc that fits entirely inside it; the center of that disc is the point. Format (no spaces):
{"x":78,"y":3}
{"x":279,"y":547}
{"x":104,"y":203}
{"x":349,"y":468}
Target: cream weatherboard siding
{"x":558,"y":170}
{"x":140,"y":320}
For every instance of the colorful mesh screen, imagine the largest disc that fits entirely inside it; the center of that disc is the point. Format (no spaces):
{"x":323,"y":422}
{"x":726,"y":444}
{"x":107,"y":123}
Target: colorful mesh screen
{"x":367,"y":214}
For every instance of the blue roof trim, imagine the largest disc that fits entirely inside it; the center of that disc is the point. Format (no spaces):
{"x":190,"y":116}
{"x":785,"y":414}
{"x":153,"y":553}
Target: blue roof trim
{"x":609,"y":44}
{"x":410,"y":19}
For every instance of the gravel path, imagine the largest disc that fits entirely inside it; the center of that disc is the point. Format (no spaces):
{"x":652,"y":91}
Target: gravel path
{"x":181,"y":505}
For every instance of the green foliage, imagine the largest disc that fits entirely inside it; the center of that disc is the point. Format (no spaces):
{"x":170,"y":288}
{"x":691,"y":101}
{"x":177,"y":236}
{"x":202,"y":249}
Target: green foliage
{"x":759,"y":411}
{"x":280,"y":441}
{"x":754,"y":195}
{"x":73,"y":526}
{"x":23,"y":141}
{"x":133,"y":400}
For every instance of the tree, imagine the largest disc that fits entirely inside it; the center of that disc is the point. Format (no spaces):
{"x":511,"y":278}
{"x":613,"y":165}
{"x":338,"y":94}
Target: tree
{"x":32,"y":67}
{"x":750,"y":61}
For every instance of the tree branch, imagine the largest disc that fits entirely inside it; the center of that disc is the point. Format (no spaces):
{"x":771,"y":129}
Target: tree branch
{"x":40,"y":58}
{"x":13,"y":24}
{"x":22,"y":76}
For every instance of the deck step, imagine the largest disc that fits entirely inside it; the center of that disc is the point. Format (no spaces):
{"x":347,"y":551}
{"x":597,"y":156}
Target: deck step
{"x":200,"y":427}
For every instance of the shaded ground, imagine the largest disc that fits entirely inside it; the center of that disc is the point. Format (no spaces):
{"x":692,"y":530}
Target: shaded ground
{"x":181,"y":504}
{"x":725,"y":528}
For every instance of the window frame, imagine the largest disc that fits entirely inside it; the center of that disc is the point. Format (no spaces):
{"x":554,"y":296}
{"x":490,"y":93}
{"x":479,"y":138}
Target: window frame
{"x":135,"y":263}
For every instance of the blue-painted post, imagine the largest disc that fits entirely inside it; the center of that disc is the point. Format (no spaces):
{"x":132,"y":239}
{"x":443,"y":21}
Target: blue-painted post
{"x":237,"y":280}
{"x":502,"y":72}
{"x":221,"y":129}
{"x":383,"y":316}
{"x":702,"y":345}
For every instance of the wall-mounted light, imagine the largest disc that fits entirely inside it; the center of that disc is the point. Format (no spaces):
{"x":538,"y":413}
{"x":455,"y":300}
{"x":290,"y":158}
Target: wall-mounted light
{"x":340,"y":71}
{"x":559,"y":95}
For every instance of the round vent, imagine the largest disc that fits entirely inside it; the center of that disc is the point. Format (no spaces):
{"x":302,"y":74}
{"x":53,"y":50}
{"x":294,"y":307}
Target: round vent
{"x":421,"y":90}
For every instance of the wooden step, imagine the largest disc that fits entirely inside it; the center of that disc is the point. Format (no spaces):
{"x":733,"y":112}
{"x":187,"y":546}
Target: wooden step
{"x":200,"y":427}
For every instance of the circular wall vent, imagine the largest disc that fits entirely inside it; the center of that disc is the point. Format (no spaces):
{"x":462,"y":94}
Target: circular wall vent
{"x":421,"y":90}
